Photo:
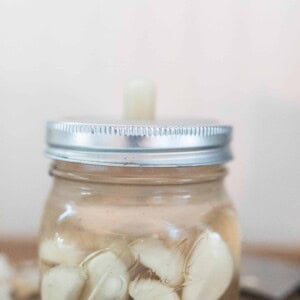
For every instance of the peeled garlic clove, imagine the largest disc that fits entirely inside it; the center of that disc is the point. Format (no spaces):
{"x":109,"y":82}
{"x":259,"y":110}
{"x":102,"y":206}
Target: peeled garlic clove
{"x":224,"y":221}
{"x":5,"y":291}
{"x":26,"y":282}
{"x":6,"y":275}
{"x":147,"y":289}
{"x":122,"y":251}
{"x":166,"y":263}
{"x":210,"y":268}
{"x":108,"y":277}
{"x":63,"y":283}
{"x":6,"y":270}
{"x":57,"y":251}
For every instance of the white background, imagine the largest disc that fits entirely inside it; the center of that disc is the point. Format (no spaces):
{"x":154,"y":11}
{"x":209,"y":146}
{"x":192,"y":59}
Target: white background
{"x":238,"y":61}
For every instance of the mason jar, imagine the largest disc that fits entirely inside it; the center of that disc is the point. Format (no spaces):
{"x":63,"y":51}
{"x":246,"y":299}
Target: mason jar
{"x":139,"y":211}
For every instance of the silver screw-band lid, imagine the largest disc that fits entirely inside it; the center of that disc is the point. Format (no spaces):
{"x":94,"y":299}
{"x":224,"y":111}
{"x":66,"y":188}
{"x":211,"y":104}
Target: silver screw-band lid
{"x":146,"y":144}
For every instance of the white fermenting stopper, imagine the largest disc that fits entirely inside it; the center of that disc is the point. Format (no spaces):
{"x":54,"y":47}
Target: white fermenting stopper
{"x":139,"y":99}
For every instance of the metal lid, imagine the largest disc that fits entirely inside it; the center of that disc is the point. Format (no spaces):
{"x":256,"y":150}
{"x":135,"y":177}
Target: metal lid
{"x":147,"y":144}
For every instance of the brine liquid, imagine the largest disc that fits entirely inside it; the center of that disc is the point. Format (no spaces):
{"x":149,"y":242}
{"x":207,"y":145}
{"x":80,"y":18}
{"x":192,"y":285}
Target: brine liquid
{"x":88,"y":229}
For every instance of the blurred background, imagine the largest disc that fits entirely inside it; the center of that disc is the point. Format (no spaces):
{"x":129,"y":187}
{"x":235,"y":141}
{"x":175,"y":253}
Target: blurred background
{"x":236,"y":61}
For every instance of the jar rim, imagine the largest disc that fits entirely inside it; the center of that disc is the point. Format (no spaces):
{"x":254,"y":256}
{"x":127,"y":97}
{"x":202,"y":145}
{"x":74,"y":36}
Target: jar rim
{"x":139,"y":144}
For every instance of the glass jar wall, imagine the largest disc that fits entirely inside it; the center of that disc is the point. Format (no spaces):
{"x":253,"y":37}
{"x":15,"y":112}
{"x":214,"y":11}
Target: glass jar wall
{"x":143,"y":233}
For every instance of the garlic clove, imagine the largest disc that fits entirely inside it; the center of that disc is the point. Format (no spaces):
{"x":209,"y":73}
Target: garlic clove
{"x":57,"y":251}
{"x":6,"y":276}
{"x":63,"y":283}
{"x":6,"y":270}
{"x":5,"y":291}
{"x":121,"y":249}
{"x":147,"y":289}
{"x":166,"y":263}
{"x":224,"y":221}
{"x":108,"y":277}
{"x":210,"y":268}
{"x":26,"y":282}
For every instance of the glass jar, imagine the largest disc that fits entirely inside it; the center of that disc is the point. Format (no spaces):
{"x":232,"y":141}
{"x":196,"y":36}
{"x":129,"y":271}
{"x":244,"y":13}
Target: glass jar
{"x":138,"y":215}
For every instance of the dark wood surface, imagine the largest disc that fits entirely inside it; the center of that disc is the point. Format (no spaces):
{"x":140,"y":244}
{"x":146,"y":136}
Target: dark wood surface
{"x":248,"y":297}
